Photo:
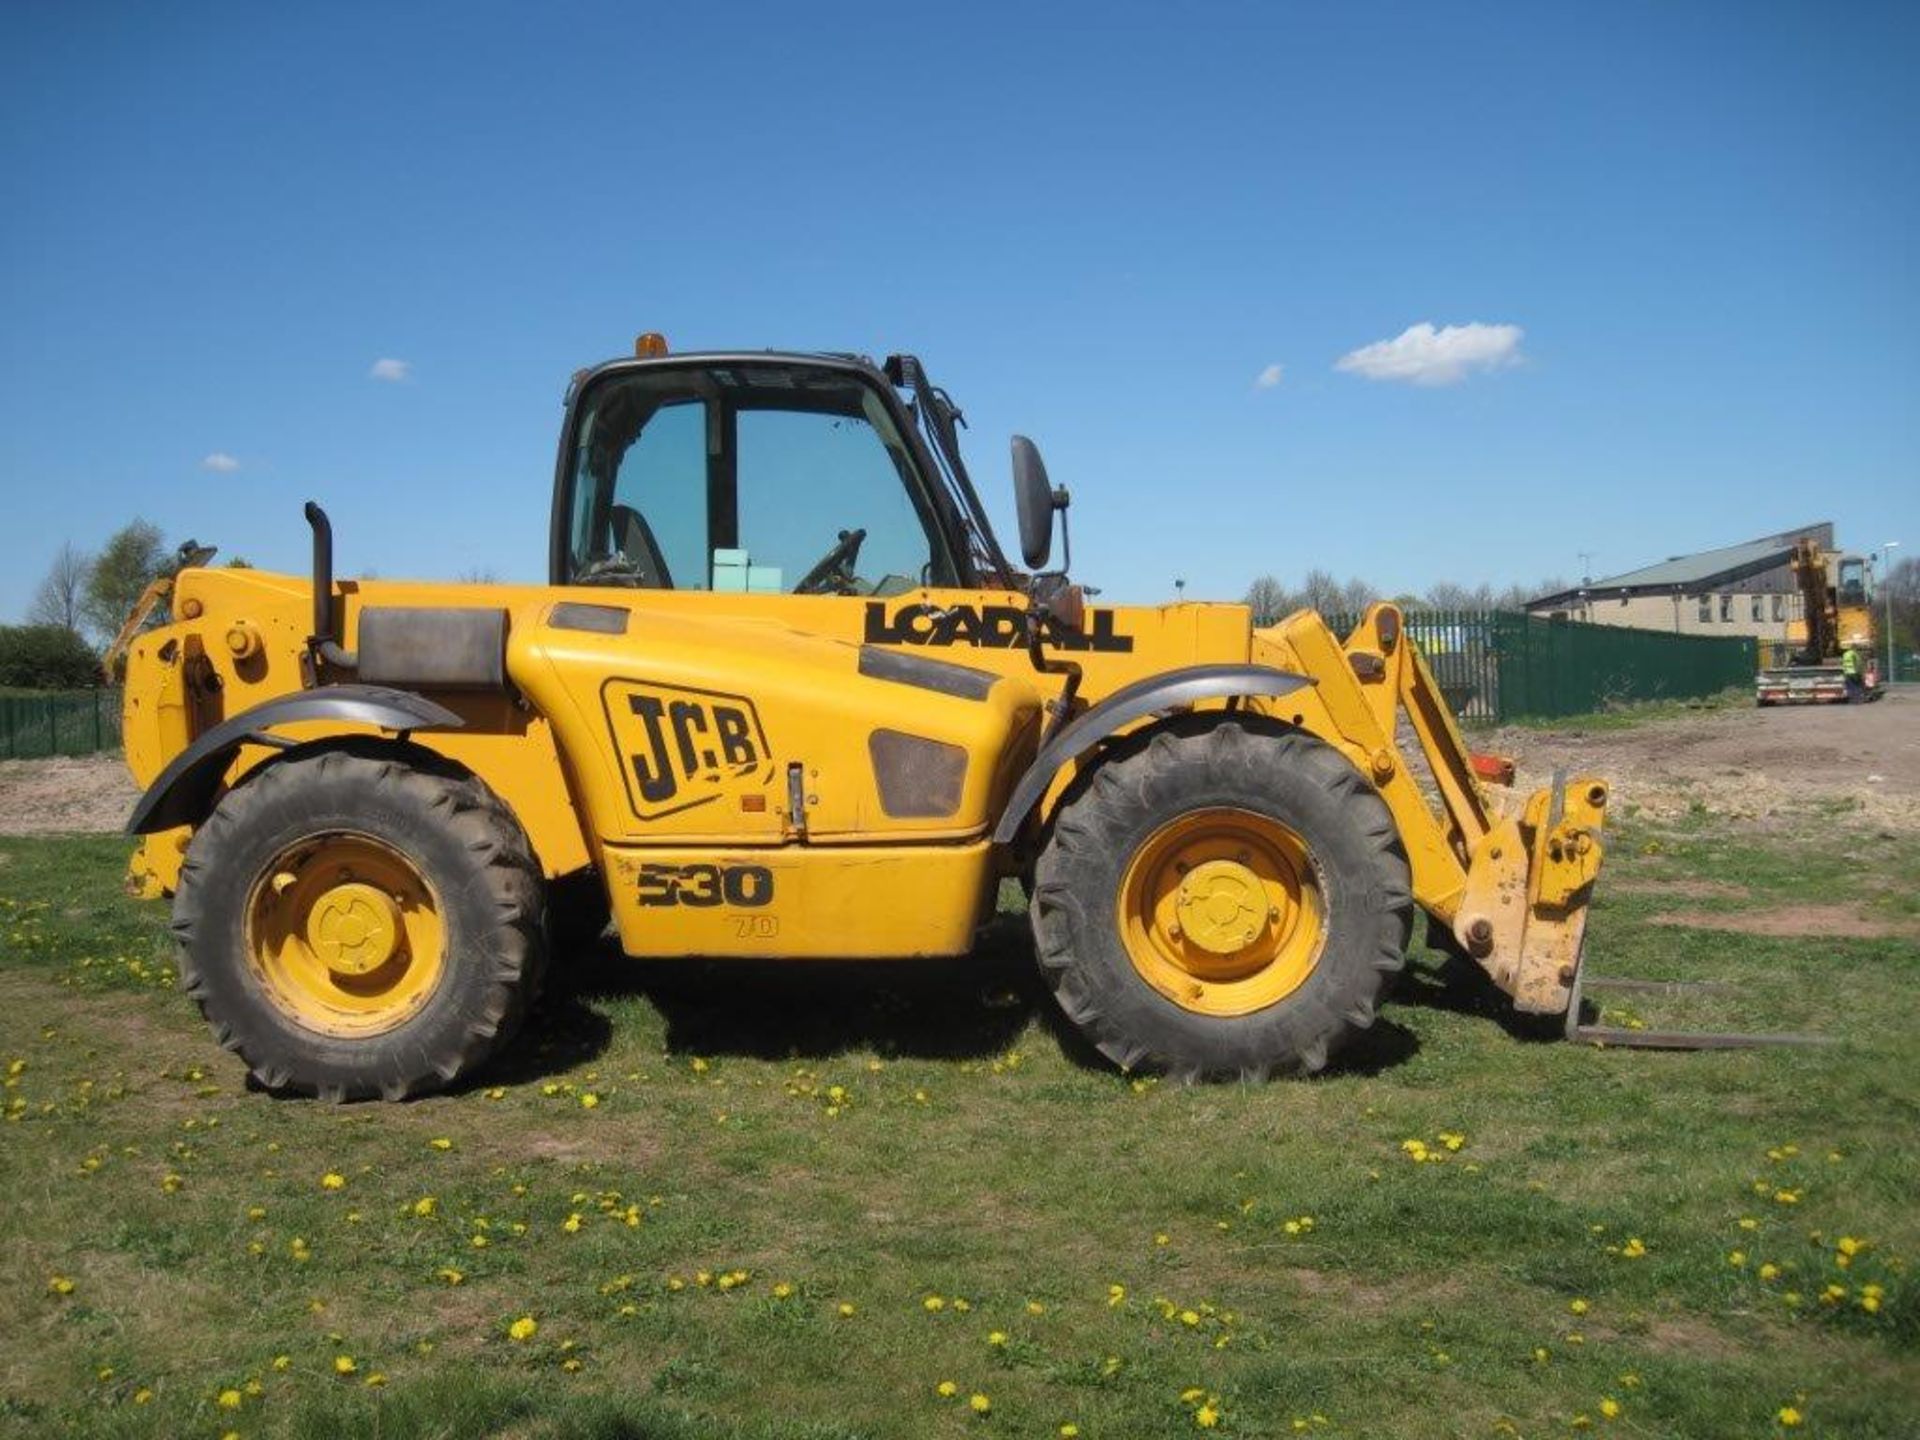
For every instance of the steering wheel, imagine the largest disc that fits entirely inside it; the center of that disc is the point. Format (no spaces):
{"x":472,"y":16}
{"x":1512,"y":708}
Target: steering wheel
{"x":834,"y":571}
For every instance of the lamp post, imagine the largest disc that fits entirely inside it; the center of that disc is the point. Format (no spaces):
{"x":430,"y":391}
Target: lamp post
{"x":1179,"y":590}
{"x":1884,"y":578}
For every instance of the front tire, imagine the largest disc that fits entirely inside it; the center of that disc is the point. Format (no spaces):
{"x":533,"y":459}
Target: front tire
{"x":356,"y":924}
{"x":1225,"y":899}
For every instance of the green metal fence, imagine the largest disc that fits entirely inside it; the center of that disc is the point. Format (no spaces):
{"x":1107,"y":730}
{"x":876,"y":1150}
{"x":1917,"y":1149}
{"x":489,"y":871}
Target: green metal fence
{"x":1559,"y":667}
{"x":1495,"y":665}
{"x":75,"y":722}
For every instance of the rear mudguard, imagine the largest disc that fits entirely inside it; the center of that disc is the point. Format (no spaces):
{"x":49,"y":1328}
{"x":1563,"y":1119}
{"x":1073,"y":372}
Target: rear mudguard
{"x":1173,"y":690}
{"x":182,"y":794}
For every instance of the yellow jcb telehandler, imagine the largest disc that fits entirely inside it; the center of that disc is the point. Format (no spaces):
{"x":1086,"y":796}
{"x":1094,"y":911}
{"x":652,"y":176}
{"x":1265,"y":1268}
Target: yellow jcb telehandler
{"x":784,"y":695}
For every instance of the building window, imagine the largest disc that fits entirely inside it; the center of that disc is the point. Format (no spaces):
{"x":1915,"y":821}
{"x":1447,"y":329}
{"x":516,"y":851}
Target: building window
{"x":1779,"y":608}
{"x":1726,"y":609}
{"x":1759,"y":604}
{"x":1706,"y":609}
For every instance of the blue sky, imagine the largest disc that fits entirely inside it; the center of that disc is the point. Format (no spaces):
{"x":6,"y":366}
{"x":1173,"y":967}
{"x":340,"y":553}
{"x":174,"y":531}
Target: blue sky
{"x":1099,"y":226}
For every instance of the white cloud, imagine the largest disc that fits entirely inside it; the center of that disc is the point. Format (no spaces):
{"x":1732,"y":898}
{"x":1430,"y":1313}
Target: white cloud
{"x":1422,"y":355}
{"x":394,"y":372}
{"x":1269,"y":377}
{"x":220,"y":461}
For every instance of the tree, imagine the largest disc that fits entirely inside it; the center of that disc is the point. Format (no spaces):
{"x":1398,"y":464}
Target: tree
{"x":1320,"y":591}
{"x":1902,"y":588}
{"x":1355,"y":596}
{"x":134,"y":557}
{"x":1268,"y":599}
{"x":58,"y":600}
{"x":1448,"y":595}
{"x":46,"y":657}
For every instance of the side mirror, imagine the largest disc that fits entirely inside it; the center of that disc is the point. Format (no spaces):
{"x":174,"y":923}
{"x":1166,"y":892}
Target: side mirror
{"x":1034,"y":501}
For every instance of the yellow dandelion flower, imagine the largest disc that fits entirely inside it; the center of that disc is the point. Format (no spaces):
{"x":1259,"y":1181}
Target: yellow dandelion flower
{"x":846,"y":1310}
{"x":1034,"y":1307}
{"x":979,"y":1404}
{"x":1633,"y":1249}
{"x":933,"y":1303}
{"x":256,"y":1212}
{"x":344,"y":1365}
{"x":281,"y":1362}
{"x":1452,"y":1141}
{"x":451,"y":1275}
{"x":228,"y":1400}
{"x":1162,"y":1238}
{"x":1192,"y":1395}
{"x":1736,"y":1258}
{"x":1788,"y":1416}
{"x":1578,"y":1307}
{"x":782,"y":1290}
{"x":1116,"y":1295}
{"x":523,"y":1329}
{"x":1747,"y":1222}
{"x":962,"y":1304}
{"x":1206,"y":1417}
{"x":1189,"y":1318}
{"x":1069,"y":1431}
{"x":572,"y":1223}
{"x":571,"y":1365}
{"x":333,"y":1180}
{"x":60,"y":1285}
{"x":699,"y":1066}
{"x":1848,"y":1246}
{"x":1610,"y":1408}
{"x":425,"y":1206}
{"x":589,"y":1101}
{"x":375,"y":1380}
{"x":1769,"y":1271}
{"x":142,"y":1395}
{"x":440,"y":1142}
{"x":170,"y":1183}
{"x":946,"y":1389}
{"x":996,"y":1337}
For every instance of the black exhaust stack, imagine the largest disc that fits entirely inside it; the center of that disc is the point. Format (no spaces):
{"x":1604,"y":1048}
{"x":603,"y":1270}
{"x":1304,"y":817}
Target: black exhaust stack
{"x":325,"y":641}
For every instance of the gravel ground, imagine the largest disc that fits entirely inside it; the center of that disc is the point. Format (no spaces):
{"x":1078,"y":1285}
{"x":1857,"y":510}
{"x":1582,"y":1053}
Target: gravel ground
{"x":92,"y":793}
{"x":1848,"y":762}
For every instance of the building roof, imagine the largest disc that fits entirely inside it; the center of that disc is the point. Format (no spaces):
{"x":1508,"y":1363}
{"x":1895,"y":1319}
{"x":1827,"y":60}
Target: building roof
{"x":1692,"y":574}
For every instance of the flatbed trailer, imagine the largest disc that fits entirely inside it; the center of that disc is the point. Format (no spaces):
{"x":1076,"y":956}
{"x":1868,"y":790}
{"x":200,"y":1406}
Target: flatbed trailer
{"x":1810,"y":685}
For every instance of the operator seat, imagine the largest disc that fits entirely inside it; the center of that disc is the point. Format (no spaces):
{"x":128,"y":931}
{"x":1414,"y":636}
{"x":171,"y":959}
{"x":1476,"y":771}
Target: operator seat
{"x":633,"y":538}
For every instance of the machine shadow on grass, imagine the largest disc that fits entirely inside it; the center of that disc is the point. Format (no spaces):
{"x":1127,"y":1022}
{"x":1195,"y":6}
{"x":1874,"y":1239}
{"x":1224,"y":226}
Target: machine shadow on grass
{"x":968,"y":1008}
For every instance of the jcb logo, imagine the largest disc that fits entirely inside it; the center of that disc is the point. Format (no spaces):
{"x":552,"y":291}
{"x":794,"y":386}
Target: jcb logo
{"x":683,"y":748}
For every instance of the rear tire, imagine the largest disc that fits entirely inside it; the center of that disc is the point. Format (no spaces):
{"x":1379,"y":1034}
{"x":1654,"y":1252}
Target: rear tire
{"x":1262,"y":809}
{"x":355,"y":924}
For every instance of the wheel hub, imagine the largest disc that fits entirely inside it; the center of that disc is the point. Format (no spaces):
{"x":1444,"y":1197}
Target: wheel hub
{"x":1221,"y":911}
{"x":354,"y":928}
{"x":1221,"y":906}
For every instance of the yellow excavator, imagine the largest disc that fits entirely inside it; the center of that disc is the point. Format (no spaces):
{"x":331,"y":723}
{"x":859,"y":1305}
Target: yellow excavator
{"x":1836,"y":617}
{"x":784,"y":695}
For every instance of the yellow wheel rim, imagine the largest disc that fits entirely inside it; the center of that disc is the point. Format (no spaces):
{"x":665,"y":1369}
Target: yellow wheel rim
{"x":345,"y":935}
{"x":1222,"y":911}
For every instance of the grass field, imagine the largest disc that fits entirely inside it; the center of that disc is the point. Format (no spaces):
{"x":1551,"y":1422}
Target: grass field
{"x":806,"y":1203}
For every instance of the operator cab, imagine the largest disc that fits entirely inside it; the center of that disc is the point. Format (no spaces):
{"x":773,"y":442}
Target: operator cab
{"x":758,"y":473}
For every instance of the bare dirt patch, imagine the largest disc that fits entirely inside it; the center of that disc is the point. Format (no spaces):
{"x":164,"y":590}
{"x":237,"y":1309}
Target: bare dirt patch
{"x":1857,"y":765}
{"x":1681,"y":889}
{"x":88,"y":794}
{"x":1807,"y":922}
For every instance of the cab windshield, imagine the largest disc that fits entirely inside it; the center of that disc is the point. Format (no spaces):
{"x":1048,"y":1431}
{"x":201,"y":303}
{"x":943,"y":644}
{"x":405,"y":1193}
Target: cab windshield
{"x":1853,"y":581}
{"x":777,"y":478}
